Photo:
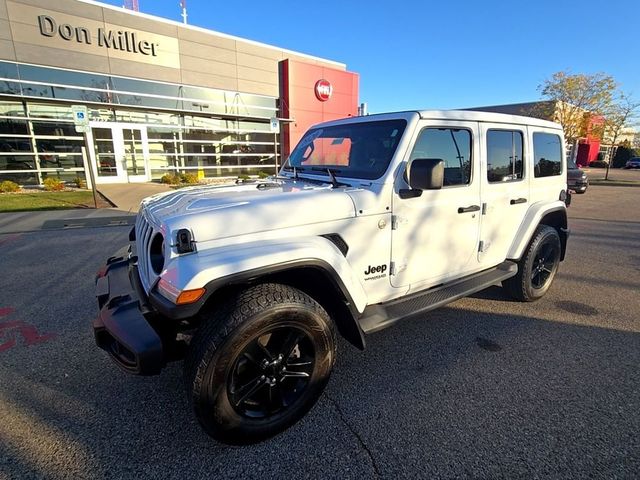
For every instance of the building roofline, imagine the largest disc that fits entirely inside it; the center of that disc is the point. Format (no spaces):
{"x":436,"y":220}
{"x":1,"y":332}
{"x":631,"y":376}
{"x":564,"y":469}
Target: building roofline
{"x":211,"y":32}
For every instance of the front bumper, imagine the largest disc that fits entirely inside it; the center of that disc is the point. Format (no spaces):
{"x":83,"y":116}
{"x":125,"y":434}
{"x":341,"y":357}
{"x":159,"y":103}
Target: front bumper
{"x":122,"y":329}
{"x":578,"y":185}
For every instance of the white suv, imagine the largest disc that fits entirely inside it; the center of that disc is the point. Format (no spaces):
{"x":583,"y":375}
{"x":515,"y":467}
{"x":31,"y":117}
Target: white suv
{"x":370,"y":219}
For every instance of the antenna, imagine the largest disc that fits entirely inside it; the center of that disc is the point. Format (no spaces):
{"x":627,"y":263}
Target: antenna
{"x":183,"y":6}
{"x":132,"y":5}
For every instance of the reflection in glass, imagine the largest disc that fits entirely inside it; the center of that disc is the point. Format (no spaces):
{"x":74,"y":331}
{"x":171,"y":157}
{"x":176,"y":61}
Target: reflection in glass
{"x":504,"y":155}
{"x":547,"y":154}
{"x":105,"y":152}
{"x":453,"y":146}
{"x":133,"y":152}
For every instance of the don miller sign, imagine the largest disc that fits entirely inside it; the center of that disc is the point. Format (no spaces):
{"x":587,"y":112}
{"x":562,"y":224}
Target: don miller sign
{"x":118,"y":40}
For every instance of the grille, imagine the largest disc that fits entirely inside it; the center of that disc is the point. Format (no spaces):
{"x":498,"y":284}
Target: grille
{"x":144,"y":234}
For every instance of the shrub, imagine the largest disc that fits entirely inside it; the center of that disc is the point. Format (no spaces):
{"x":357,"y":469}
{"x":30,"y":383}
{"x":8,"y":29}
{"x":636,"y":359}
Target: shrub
{"x":189,"y":178}
{"x":8,"y":186}
{"x":53,"y":184}
{"x":243,"y":177}
{"x":80,"y":182}
{"x":263,"y":174}
{"x":170,"y":179}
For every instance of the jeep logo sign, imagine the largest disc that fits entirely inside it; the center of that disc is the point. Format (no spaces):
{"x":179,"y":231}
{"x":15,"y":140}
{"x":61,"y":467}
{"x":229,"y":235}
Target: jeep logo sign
{"x":323,"y":90}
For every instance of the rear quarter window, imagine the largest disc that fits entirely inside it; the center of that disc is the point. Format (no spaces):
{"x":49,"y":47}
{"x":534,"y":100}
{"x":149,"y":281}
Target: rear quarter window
{"x":547,"y":154}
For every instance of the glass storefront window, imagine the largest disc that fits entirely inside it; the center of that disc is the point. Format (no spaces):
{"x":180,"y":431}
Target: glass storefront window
{"x":140,"y":86}
{"x":47,"y":110}
{"x":167,"y":120}
{"x":63,"y":77}
{"x":12,"y":109}
{"x":58,"y":129}
{"x":17,"y":161}
{"x":7,"y":71}
{"x":13,"y":144}
{"x":11,"y":126}
{"x":22,"y":178}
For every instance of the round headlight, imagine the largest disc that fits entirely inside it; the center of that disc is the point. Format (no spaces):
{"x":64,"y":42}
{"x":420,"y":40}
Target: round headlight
{"x":156,"y":253}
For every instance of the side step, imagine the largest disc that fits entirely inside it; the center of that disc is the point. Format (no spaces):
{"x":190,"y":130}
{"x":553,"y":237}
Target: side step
{"x":377,"y":317}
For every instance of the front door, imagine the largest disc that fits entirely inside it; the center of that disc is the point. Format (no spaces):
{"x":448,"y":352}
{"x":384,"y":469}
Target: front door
{"x":435,"y":235}
{"x":121,"y":153}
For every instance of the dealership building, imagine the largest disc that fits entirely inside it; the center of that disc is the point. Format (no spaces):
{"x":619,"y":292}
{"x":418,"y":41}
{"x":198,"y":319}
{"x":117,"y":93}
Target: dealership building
{"x":160,"y":96}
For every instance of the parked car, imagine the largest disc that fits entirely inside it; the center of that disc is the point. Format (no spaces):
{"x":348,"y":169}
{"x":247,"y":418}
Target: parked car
{"x":371,"y":219}
{"x":598,"y":164}
{"x":633,"y":162}
{"x":577,"y":180}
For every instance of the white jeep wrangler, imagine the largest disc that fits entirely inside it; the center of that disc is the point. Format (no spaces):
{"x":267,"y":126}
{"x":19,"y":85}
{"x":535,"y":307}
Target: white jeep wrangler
{"x":370,"y":220}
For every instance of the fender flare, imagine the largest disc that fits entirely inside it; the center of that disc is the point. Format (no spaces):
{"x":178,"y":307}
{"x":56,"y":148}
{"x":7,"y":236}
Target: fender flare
{"x":532,"y":219}
{"x":331,"y":266}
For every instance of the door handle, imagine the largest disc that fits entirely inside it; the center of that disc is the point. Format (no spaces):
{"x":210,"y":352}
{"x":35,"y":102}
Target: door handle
{"x":472,"y":208}
{"x":518,"y":200}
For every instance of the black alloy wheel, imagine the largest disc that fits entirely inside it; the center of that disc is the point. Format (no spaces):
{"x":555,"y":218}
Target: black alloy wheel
{"x":272,"y":372}
{"x":543,"y":265}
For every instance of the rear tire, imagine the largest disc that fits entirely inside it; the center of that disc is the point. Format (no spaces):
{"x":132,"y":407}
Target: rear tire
{"x":259,"y":363}
{"x":537,"y":267}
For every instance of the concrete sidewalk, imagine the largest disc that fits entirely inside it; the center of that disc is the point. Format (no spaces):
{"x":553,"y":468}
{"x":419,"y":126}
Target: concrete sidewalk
{"x":20,"y":222}
{"x":127,"y":197}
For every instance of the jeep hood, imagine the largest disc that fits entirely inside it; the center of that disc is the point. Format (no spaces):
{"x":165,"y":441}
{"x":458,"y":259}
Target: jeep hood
{"x":214,"y":212}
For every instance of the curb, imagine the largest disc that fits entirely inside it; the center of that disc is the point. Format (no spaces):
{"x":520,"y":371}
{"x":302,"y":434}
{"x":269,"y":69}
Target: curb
{"x":107,"y":199}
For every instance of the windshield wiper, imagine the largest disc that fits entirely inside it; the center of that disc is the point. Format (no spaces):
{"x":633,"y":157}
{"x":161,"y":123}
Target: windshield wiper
{"x":331,"y":171}
{"x":332,"y":175}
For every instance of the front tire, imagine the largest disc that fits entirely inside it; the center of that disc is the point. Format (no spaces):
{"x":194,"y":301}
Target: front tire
{"x":259,"y":363}
{"x":537,"y":267}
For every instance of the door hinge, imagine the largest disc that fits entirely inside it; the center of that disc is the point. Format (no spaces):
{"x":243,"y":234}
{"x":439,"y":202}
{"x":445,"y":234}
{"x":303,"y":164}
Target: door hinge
{"x":392,"y":268}
{"x":481,"y":246}
{"x":484,"y":209}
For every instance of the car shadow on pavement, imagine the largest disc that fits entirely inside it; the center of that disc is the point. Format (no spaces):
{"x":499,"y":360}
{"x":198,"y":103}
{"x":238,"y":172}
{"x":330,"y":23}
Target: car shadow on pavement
{"x":456,"y":392}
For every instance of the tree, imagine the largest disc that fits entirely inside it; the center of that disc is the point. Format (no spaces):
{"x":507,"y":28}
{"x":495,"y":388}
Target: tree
{"x":577,"y":97}
{"x":617,"y":119}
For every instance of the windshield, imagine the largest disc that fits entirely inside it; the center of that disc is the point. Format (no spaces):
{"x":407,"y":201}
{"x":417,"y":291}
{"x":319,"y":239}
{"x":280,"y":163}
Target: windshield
{"x":571,"y":164}
{"x":358,"y":150}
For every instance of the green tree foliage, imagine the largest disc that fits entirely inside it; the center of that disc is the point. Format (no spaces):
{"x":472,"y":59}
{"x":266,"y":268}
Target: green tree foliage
{"x":578,"y":96}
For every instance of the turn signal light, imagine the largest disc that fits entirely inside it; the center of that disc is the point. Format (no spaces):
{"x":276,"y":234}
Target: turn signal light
{"x":190,"y":296}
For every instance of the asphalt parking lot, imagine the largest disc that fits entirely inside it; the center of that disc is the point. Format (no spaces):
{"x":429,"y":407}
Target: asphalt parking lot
{"x":483,"y":388}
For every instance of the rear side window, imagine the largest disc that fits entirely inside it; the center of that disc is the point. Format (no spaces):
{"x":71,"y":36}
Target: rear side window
{"x":547,"y":154}
{"x":453,"y":145}
{"x":504,"y":156}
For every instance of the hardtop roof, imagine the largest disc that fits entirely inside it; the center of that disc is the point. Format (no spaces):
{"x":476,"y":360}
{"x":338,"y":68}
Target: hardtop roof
{"x":452,"y":115}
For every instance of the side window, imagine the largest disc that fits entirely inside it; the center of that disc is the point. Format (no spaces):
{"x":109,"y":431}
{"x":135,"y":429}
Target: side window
{"x":453,"y":145}
{"x":504,"y":156}
{"x":547,"y":154}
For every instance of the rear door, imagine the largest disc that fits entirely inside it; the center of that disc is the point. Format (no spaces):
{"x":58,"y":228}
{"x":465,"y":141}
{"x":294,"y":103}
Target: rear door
{"x":505,"y":189}
{"x":435,"y":234}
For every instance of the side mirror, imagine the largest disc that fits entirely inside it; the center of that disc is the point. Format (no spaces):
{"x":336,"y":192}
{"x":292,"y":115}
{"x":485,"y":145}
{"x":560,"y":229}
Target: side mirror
{"x":426,"y":173}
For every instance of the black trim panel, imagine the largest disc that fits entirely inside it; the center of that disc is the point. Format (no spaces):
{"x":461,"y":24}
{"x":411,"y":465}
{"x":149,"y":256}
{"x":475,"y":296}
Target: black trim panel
{"x":121,"y":328}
